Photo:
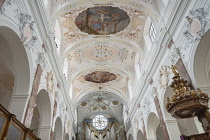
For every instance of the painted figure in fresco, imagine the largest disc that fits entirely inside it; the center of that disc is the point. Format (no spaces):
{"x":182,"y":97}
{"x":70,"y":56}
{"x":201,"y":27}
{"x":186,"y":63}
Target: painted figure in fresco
{"x":102,"y":20}
{"x":97,"y":25}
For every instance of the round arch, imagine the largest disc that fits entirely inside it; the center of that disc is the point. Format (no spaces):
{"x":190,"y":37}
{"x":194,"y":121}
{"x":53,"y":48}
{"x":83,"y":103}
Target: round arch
{"x":15,"y":73}
{"x":152,"y":125}
{"x":58,"y":129}
{"x":130,"y":137}
{"x":15,"y":54}
{"x":201,"y":65}
{"x":67,"y":137}
{"x":43,"y":105}
{"x":91,"y":93}
{"x":140,"y":135}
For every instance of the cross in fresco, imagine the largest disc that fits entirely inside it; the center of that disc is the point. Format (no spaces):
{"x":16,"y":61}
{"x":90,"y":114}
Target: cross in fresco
{"x":102,"y":13}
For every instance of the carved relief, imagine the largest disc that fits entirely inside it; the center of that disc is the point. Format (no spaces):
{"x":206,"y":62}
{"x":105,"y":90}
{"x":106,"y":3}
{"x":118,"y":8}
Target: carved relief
{"x":196,"y":22}
{"x":163,"y":77}
{"x":26,"y":26}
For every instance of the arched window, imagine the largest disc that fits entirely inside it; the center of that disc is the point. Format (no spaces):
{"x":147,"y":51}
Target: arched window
{"x":65,"y":68}
{"x":152,"y":32}
{"x":57,"y":35}
{"x":147,"y":32}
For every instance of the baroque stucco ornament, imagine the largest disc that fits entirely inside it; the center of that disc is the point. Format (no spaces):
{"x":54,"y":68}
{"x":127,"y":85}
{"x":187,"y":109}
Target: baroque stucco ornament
{"x":163,"y":77}
{"x":3,"y":4}
{"x":26,"y":26}
{"x":196,"y":22}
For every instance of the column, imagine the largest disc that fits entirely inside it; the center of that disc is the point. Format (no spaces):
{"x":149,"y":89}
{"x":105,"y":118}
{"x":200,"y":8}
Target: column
{"x":44,"y":132}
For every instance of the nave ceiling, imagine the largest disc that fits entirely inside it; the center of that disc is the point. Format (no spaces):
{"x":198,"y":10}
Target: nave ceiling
{"x":104,"y":41}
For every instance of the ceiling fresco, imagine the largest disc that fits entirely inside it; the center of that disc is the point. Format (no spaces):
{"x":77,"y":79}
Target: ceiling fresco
{"x":100,"y":77}
{"x":126,"y":27}
{"x":101,"y":40}
{"x":103,"y":20}
{"x":103,"y":80}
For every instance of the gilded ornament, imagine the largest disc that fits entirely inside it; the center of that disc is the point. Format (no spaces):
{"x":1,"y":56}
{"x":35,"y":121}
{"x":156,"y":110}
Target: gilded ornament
{"x":104,"y":108}
{"x":83,"y":104}
{"x":115,"y":102}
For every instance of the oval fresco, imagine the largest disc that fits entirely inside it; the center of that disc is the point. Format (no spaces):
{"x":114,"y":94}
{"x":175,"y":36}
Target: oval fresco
{"x":100,"y":77}
{"x":102,"y":20}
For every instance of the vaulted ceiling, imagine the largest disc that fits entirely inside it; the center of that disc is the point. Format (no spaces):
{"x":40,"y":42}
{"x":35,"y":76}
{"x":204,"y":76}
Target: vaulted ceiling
{"x":101,"y":42}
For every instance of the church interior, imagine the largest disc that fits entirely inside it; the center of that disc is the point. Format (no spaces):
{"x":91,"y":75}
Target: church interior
{"x":104,"y":69}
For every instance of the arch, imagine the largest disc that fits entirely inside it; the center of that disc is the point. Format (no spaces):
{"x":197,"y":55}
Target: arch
{"x":98,"y":92}
{"x":18,"y":59}
{"x":152,"y":125}
{"x":201,"y":63}
{"x":140,"y":135}
{"x":130,"y":137}
{"x":15,"y":73}
{"x":67,"y":137}
{"x":44,"y":106}
{"x":58,"y":129}
{"x":35,"y":121}
{"x":159,"y":133}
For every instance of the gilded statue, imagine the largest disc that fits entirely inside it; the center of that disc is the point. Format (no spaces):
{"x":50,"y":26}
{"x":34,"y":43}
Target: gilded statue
{"x":174,"y":70}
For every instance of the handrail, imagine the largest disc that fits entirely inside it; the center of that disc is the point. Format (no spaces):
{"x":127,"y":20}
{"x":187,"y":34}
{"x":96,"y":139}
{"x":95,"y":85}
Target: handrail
{"x":11,"y":128}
